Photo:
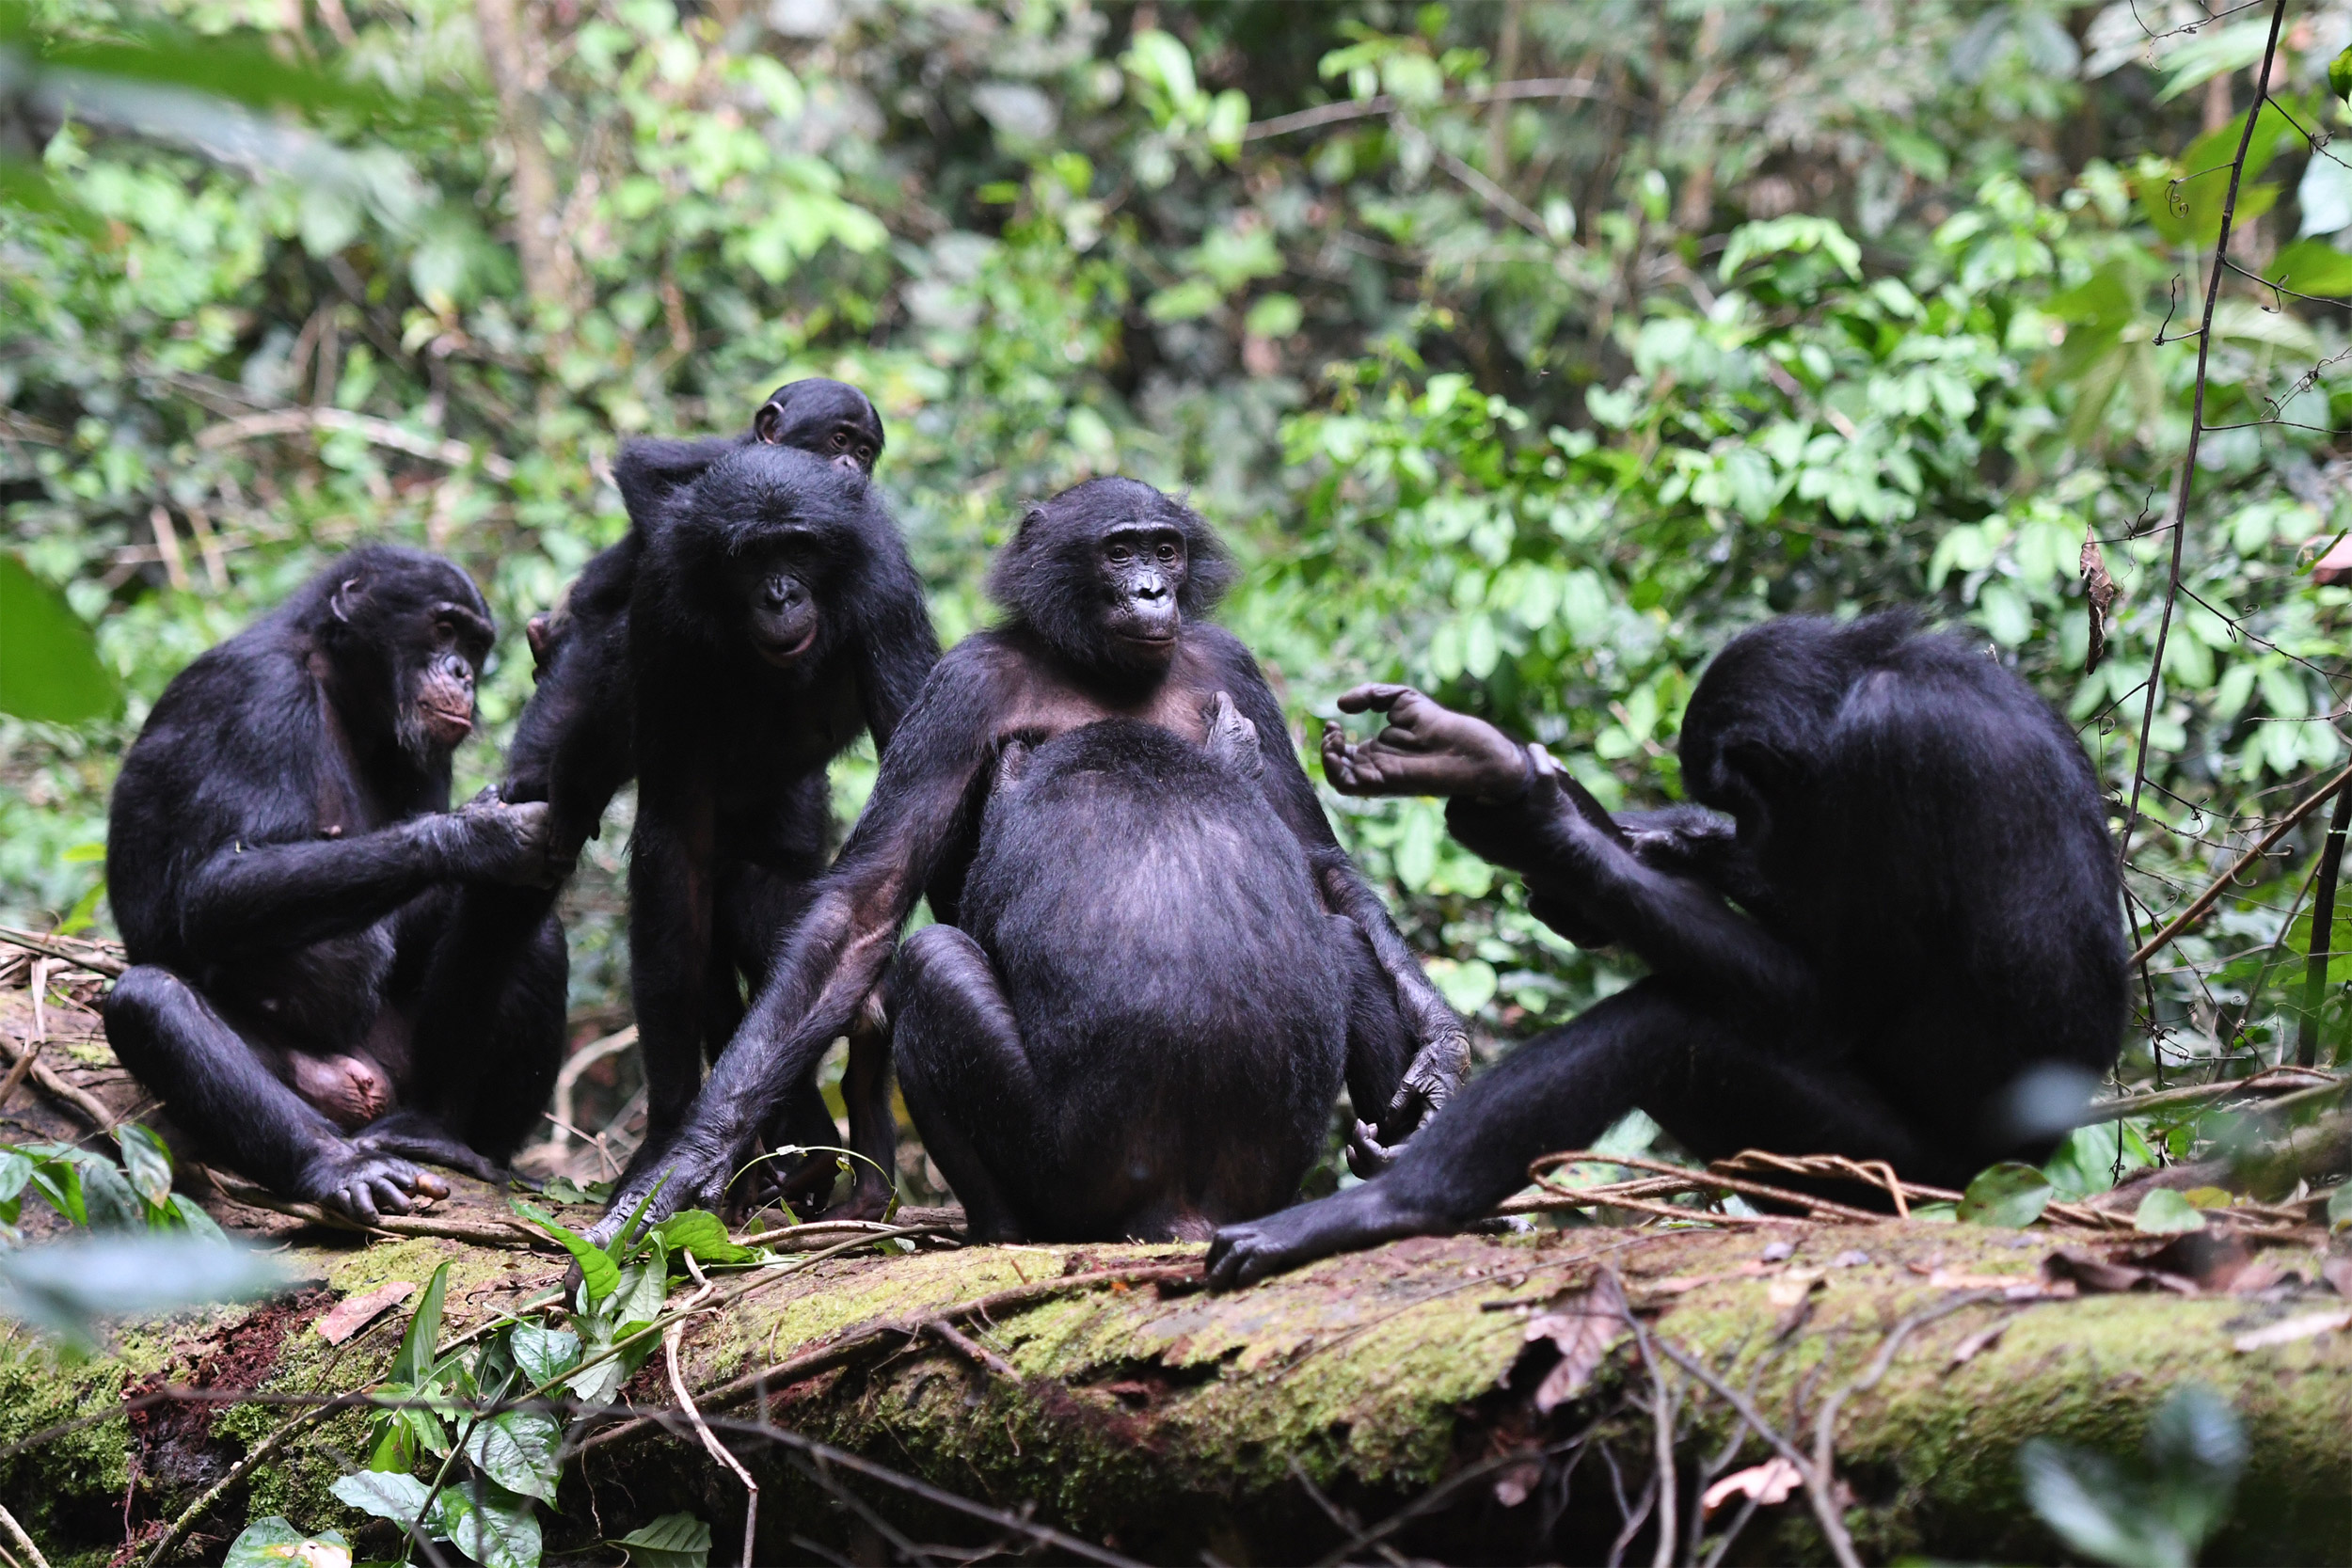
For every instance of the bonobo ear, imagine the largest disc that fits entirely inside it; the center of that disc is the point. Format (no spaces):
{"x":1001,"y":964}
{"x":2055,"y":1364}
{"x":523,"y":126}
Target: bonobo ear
{"x":346,"y":598}
{"x":768,"y":425}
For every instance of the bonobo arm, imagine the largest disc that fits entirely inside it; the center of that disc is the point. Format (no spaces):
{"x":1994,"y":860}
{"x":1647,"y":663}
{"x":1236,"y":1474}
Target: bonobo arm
{"x":1442,"y":1059}
{"x":575,"y":744}
{"x":922,"y":804}
{"x":251,"y":898}
{"x":1679,"y":925}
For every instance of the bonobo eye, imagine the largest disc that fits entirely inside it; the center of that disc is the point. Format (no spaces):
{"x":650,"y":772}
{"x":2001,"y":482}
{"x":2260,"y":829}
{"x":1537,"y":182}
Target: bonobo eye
{"x":840,"y":439}
{"x":1168,"y":555}
{"x":1120,"y":555}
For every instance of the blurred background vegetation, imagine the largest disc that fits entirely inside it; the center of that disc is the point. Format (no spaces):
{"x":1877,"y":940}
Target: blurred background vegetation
{"x":1526,"y":351}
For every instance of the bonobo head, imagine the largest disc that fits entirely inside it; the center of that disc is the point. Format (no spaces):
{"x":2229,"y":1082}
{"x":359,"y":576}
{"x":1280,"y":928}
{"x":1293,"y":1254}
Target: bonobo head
{"x":763,"y":555}
{"x":831,"y":418}
{"x":1108,"y":572}
{"x":1758,"y":722}
{"x":404,"y":635}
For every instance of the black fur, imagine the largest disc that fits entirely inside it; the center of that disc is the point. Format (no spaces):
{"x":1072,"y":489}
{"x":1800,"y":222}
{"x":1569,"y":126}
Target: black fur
{"x":1930,"y":960}
{"x":329,"y":970}
{"x":1154,"y":963}
{"x":733,"y":812}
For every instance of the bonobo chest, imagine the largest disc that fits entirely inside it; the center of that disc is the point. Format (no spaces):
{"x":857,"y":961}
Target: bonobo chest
{"x":783,"y":737}
{"x":1048,"y":703}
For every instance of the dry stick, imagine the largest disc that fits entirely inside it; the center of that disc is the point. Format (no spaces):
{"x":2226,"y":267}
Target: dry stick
{"x":87,"y":1106}
{"x":2222,"y":884}
{"x":96,"y":956}
{"x":676,"y":1332}
{"x":504,"y":1233}
{"x":1825,"y":1427}
{"x":2277,"y":1080}
{"x":578,"y":1062}
{"x":16,"y":1533}
{"x":2323,"y":926}
{"x":1387,"y":103}
{"x":2196,"y":429}
{"x":1750,"y":1189}
{"x":15,"y":1080}
{"x":870,"y":1335}
{"x":1662,"y":1431}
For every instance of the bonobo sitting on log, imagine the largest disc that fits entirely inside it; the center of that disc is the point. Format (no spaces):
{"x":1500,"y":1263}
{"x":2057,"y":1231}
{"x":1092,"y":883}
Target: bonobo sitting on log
{"x":1926,"y":965}
{"x":1153,"y":964}
{"x":327,"y":981}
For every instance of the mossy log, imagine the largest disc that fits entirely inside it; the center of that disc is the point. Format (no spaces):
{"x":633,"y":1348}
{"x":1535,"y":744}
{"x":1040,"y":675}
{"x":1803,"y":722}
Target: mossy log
{"x":1391,"y":1393}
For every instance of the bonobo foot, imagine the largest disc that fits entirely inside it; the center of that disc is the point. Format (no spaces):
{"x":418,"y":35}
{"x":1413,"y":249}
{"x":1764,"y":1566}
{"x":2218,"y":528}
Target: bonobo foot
{"x":364,"y":1185}
{"x":418,"y":1136}
{"x":1360,"y":1217}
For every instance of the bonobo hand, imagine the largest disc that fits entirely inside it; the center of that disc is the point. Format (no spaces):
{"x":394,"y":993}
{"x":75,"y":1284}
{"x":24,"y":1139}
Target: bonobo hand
{"x":691,"y":1175}
{"x":1244,"y":1254}
{"x":1436,"y":1071}
{"x":361,"y":1183}
{"x":1425,"y":750}
{"x":502,"y":843}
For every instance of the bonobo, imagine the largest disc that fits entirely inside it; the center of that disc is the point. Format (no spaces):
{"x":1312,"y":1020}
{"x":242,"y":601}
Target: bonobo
{"x":574,"y":745}
{"x":774,"y":619}
{"x":1153,"y":962}
{"x":1927,"y":960}
{"x":317,"y":989}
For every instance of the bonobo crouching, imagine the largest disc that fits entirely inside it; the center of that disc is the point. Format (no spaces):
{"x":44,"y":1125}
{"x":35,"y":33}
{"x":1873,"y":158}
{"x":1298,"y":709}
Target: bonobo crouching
{"x":1124,"y":1023}
{"x":1926,"y":965}
{"x":331,"y":977}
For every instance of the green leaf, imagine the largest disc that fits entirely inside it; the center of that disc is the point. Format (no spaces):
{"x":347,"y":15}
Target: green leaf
{"x":2340,"y":1208}
{"x":194,"y":1220}
{"x":2165,"y":1213}
{"x":2339,"y":75}
{"x":49,"y":667}
{"x":598,"y":1272}
{"x":704,"y":1234}
{"x":385,"y":1494}
{"x":673,"y":1541}
{"x":272,"y":1543}
{"x":518,"y":1449}
{"x":148,"y":1160}
{"x":413,"y":1364}
{"x":543,"y":1354}
{"x":2010,"y":1194}
{"x":2313,"y":267}
{"x":107,"y":1196}
{"x":489,"y":1525}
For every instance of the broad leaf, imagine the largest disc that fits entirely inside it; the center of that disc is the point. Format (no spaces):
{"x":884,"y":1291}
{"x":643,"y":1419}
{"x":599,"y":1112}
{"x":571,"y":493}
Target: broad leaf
{"x":49,"y":667}
{"x":542,"y":1355}
{"x":518,"y":1449}
{"x":702,"y":1233}
{"x":489,"y":1525}
{"x":272,"y":1543}
{"x":413,"y":1364}
{"x":598,"y":1272}
{"x":384,"y":1494}
{"x":673,"y":1541}
{"x":147,"y":1162}
{"x":2009,"y":1194}
{"x":2165,"y":1213}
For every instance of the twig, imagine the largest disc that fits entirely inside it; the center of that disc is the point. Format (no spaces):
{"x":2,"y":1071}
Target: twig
{"x":503,"y":1233}
{"x":2197,"y":427}
{"x":2278,"y":1080}
{"x":87,"y":1106}
{"x":96,"y":956}
{"x":15,"y":1080}
{"x":970,"y":1349}
{"x":1662,"y":1434}
{"x":382,"y":433}
{"x":2222,"y":883}
{"x":870,"y":1335}
{"x":1825,"y":1425}
{"x":16,"y":1533}
{"x":1387,"y":103}
{"x":1549,"y":1162}
{"x":578,"y":1062}
{"x":670,"y":1339}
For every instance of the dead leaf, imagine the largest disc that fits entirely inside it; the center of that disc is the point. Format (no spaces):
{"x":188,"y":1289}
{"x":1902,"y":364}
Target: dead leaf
{"x":1514,"y":1485}
{"x":1978,"y":1343}
{"x":2308,"y":1325}
{"x":1793,"y":1287}
{"x":353,"y":1313}
{"x":2105,"y":1276}
{"x":1768,"y":1484}
{"x":2100,"y":591}
{"x":1675,"y":1285}
{"x":2337,"y":1272}
{"x":2256,"y":1278}
{"x":1585,"y":1325}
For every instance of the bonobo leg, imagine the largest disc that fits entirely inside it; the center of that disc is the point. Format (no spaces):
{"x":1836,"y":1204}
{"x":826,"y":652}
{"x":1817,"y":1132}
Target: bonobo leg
{"x":966,"y":1077}
{"x":1647,"y":1047}
{"x":176,"y":1042}
{"x":1380,"y":1043}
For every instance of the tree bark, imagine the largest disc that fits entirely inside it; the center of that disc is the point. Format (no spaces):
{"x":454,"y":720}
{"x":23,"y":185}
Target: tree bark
{"x":546,"y":259}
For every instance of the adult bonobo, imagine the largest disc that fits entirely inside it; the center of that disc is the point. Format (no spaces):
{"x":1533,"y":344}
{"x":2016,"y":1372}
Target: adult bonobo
{"x":1930,"y":967}
{"x":1136,"y":1010}
{"x":575,"y":744}
{"x":774,"y":619}
{"x":313,"y":989}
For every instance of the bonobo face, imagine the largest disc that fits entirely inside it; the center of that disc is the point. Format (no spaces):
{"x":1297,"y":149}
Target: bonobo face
{"x":780,"y":606}
{"x":451,"y":647}
{"x":829,"y":417}
{"x":1143,"y":574}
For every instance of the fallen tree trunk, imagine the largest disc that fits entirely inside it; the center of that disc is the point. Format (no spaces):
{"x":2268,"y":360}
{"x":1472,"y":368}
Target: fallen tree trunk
{"x":1393,"y":1399}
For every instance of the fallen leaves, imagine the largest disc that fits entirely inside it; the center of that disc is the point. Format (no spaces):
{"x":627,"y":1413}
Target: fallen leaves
{"x":1585,"y":1325}
{"x":350,"y":1315}
{"x":2286,"y":1331}
{"x":1768,"y":1484}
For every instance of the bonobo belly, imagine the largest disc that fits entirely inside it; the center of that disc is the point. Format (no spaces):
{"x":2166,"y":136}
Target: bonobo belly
{"x":1157,"y":937}
{"x":323,"y":1021}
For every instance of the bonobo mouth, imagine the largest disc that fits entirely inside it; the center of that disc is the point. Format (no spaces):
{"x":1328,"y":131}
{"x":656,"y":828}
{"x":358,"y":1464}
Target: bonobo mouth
{"x":784,"y":654}
{"x":446,"y":726}
{"x":1149,"y":639}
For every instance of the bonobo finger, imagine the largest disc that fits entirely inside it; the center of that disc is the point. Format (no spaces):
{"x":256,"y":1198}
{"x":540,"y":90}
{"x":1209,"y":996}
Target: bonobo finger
{"x":425,"y":1184}
{"x":1379,"y":697}
{"x":385,"y":1192}
{"x":1367,"y":1156}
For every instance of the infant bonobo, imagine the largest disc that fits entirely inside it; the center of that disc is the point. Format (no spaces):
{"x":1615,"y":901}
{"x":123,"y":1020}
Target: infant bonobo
{"x":1926,"y":964}
{"x":329,"y":979}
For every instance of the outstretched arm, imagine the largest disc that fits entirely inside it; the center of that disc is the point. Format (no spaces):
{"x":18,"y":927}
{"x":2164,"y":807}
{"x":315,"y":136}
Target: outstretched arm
{"x":837,"y":952}
{"x":1441,"y":1059}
